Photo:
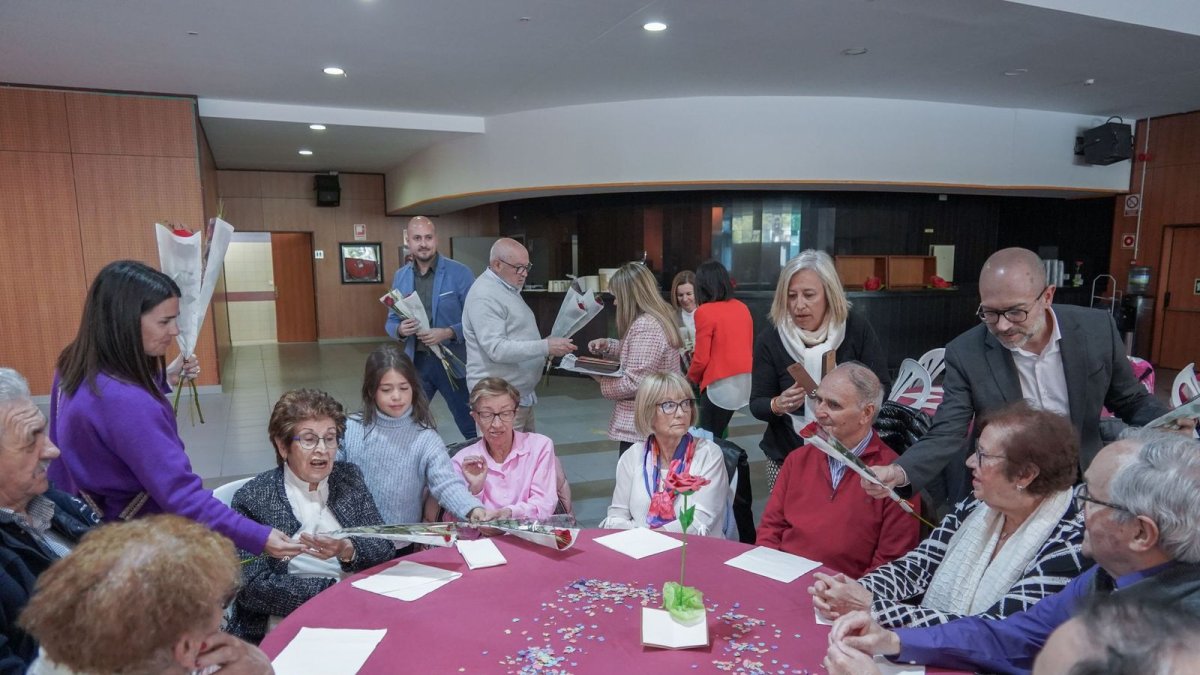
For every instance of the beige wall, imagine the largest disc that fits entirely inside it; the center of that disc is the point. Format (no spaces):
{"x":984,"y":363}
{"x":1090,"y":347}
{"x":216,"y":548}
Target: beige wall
{"x":285,"y":202}
{"x":83,"y":179}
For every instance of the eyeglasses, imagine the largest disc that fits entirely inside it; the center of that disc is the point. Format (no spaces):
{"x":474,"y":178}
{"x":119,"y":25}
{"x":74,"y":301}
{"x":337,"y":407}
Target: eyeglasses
{"x":1081,"y":496}
{"x":486,"y":417}
{"x":1013,"y":314}
{"x":310,"y":441}
{"x":526,"y":268}
{"x":669,"y":407}
{"x":987,"y":455}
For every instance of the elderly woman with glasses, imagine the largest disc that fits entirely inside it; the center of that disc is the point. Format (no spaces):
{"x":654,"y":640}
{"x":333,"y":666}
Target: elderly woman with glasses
{"x":307,"y":495}
{"x":1017,"y":541}
{"x":664,"y":410}
{"x":509,"y":471}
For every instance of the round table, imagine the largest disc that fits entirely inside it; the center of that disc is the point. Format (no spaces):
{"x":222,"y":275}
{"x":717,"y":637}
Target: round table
{"x":577,"y":611}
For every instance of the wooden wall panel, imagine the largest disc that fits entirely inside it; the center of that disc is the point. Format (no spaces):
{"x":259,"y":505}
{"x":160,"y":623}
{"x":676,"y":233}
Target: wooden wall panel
{"x":117,"y":124}
{"x":1173,"y":140}
{"x":219,"y":309}
{"x":43,"y":283}
{"x":284,"y":202}
{"x":33,"y":120}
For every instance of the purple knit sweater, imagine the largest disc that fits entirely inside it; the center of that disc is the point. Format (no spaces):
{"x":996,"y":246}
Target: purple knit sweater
{"x":124,"y":441}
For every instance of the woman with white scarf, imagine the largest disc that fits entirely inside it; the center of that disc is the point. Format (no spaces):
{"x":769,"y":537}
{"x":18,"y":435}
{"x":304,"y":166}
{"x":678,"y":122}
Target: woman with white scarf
{"x":811,"y":318}
{"x":1017,"y":541}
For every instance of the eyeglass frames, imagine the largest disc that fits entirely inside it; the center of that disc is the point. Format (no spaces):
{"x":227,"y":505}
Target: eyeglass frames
{"x":669,"y":407}
{"x":310,"y":441}
{"x":526,"y":268}
{"x":1081,"y":496}
{"x":486,"y":417}
{"x":1013,"y":314}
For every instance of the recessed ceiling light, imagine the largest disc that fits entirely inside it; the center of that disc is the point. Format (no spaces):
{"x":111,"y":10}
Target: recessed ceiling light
{"x":1016,"y":71}
{"x":317,"y":127}
{"x":525,"y":19}
{"x":193,"y":32}
{"x":306,"y":153}
{"x":854,"y":51}
{"x":334,"y":70}
{"x":1089,"y":82}
{"x":655,"y":26}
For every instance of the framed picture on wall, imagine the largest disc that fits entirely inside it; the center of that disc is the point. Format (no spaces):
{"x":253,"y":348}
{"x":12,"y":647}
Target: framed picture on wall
{"x":361,"y":263}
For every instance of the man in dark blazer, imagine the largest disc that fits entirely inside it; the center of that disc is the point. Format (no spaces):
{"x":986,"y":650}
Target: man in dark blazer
{"x":1063,"y":358}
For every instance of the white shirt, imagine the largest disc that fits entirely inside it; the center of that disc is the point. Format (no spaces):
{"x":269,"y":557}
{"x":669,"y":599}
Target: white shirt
{"x":1043,"y":382}
{"x":310,"y":508}
{"x":631,"y":500}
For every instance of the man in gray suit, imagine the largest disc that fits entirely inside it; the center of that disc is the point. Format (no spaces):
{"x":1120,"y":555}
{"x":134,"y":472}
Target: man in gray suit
{"x":1066,"y":359}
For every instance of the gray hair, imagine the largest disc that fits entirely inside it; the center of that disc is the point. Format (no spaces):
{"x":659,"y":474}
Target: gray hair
{"x":1135,"y":636}
{"x":13,"y":386}
{"x":1160,"y":482}
{"x":820,"y":262}
{"x":866,"y":384}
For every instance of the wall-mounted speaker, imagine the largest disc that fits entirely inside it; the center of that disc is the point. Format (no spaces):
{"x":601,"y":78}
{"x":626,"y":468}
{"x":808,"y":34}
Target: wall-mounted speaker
{"x":329,"y":191}
{"x":1107,"y":144}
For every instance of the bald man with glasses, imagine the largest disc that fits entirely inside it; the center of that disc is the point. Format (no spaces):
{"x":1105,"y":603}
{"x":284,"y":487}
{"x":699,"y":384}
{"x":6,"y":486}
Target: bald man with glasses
{"x":1066,"y":359}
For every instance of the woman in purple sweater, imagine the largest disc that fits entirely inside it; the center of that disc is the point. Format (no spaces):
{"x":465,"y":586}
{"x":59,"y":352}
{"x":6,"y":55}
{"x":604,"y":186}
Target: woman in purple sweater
{"x":110,"y":417}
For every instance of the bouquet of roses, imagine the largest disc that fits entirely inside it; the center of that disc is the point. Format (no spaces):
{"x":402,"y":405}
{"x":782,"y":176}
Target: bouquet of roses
{"x":410,"y":307}
{"x":686,"y":604}
{"x":816,"y":436}
{"x":578,"y":308}
{"x":194,"y":263}
{"x":429,"y":534}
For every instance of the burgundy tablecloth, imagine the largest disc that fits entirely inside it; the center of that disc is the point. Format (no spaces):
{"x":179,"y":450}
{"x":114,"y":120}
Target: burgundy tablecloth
{"x":931,"y":404}
{"x":545,"y":605}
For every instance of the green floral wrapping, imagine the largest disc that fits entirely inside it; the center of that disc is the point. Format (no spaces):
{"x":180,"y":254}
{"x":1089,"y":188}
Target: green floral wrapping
{"x":686,"y":604}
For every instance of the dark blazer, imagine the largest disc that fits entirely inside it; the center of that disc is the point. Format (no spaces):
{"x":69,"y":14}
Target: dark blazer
{"x":770,"y":377}
{"x":22,"y":560}
{"x":981,"y":376}
{"x":268,"y":590}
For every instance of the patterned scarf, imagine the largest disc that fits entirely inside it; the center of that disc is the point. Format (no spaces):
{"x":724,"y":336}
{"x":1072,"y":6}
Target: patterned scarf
{"x":662,"y":500}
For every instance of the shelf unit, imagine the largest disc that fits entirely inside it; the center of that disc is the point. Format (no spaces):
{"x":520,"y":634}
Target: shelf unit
{"x":853,"y":270}
{"x":910,"y":271}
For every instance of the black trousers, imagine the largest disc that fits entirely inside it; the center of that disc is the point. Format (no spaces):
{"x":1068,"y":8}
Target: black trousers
{"x":713,"y":418}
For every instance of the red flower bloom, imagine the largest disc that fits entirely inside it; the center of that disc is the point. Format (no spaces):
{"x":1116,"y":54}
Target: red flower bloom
{"x":684,"y":483}
{"x":562,"y":538}
{"x":810,"y":430}
{"x":872,"y":284}
{"x":389,"y":301}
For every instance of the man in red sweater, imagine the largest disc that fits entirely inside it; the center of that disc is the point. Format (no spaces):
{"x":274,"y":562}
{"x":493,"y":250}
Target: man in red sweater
{"x":818,"y":508}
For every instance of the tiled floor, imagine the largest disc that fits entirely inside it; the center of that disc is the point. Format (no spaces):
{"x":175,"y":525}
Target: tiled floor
{"x":233,"y":442}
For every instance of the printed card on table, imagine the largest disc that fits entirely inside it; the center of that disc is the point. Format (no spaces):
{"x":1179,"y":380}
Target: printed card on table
{"x":327,"y":651}
{"x":639,"y":542}
{"x":773,"y":564}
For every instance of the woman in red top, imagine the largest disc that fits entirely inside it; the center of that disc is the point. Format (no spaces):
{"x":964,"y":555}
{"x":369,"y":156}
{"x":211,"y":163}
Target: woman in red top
{"x":723,"y":357}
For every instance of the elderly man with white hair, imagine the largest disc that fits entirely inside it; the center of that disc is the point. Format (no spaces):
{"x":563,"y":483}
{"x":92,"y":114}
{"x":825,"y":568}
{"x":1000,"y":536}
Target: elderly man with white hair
{"x":38,"y":525}
{"x":501,"y":331}
{"x":1142,"y":527}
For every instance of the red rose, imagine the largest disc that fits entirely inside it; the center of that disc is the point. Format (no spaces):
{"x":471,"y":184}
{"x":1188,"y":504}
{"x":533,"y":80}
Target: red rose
{"x":181,"y":232}
{"x":581,"y":306}
{"x":938,"y":282}
{"x":684,"y":483}
{"x":389,"y":301}
{"x":810,"y":430}
{"x":872,"y":284}
{"x":562,"y":538}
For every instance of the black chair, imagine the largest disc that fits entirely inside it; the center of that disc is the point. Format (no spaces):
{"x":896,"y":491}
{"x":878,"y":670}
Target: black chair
{"x":737,"y":460}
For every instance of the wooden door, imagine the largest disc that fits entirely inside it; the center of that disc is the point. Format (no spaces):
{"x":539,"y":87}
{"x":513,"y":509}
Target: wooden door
{"x":295,"y":294}
{"x":1178,"y":344}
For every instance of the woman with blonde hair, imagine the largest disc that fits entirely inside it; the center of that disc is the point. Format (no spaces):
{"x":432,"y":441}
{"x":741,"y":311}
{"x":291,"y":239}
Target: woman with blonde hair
{"x":683,"y":297}
{"x":811,"y":317}
{"x":649,"y":343}
{"x":664,"y":411}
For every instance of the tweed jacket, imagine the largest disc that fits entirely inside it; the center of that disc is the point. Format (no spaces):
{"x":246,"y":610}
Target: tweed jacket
{"x":899,"y":585}
{"x":981,"y":376}
{"x":267,"y":588}
{"x":643,"y":351}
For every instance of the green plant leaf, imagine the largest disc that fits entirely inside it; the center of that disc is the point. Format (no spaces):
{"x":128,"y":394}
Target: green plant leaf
{"x":686,"y":516}
{"x":685,"y":603}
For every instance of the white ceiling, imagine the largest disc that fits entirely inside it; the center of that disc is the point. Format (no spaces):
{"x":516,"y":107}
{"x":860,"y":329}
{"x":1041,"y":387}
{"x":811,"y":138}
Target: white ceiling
{"x":465,"y":60}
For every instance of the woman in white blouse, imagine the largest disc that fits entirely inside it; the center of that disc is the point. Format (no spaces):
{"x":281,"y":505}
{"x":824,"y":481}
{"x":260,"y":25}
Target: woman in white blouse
{"x":664,"y":410}
{"x":307,"y":494}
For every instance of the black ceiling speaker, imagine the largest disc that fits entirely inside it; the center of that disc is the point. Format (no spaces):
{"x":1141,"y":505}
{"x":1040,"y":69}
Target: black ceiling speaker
{"x":329,"y":192}
{"x":1108,"y":143}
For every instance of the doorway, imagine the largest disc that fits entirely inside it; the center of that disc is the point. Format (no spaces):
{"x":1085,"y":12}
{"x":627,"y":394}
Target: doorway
{"x":1181,"y":299}
{"x":269,"y":288}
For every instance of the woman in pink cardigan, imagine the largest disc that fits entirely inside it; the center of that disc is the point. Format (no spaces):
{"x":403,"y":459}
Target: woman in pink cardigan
{"x":649,"y":343}
{"x":724,"y":354}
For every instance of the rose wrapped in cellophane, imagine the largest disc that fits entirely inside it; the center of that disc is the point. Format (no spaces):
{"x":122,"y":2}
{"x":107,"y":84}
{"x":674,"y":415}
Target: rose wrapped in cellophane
{"x":194,"y":262}
{"x":815,"y":435}
{"x":578,"y":308}
{"x":429,"y":534}
{"x":558,"y":532}
{"x":410,"y":308}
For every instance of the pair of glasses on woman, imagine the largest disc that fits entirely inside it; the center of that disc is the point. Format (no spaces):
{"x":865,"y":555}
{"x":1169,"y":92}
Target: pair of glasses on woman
{"x":310,"y":441}
{"x":486,"y":417}
{"x":669,"y":407}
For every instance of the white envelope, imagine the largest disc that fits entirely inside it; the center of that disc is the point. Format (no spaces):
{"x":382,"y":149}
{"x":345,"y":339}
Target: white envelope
{"x":480,"y":553}
{"x":407,"y":580}
{"x":660,"y":630}
{"x":327,"y":651}
{"x":773,"y":564}
{"x":639,"y":542}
